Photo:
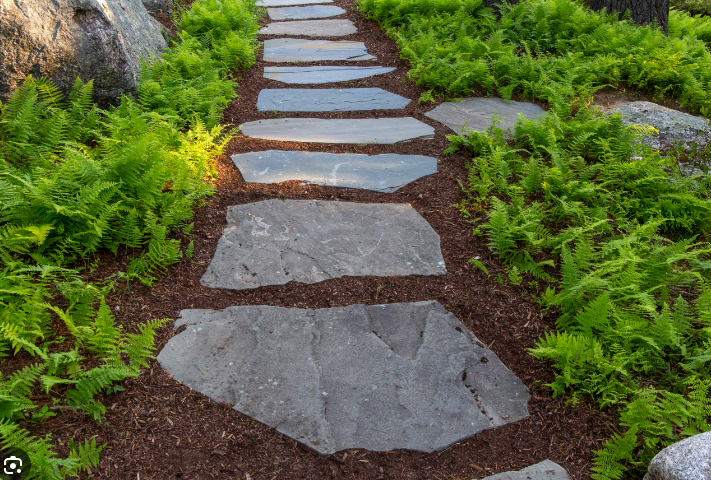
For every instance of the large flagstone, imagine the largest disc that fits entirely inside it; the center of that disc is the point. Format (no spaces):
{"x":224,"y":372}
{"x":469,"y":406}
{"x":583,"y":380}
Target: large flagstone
{"x":328,"y":100}
{"x":302,"y":13}
{"x":378,"y":377}
{"x":276,"y":241}
{"x":357,"y":131}
{"x":382,"y":173}
{"x":311,"y":28}
{"x":298,"y":50}
{"x":321,"y":74}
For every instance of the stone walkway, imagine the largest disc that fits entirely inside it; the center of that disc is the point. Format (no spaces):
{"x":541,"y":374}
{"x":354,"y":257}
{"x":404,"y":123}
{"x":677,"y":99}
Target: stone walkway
{"x":380,"y":377}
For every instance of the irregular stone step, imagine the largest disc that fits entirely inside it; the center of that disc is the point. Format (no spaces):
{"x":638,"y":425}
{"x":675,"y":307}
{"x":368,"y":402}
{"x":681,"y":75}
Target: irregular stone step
{"x":297,"y":50}
{"x":276,"y":241}
{"x":311,"y":28}
{"x":382,"y":173}
{"x":282,"y":3}
{"x":328,"y":100}
{"x":378,"y":377}
{"x":320,"y":74}
{"x":302,"y":13}
{"x":546,"y":470}
{"x":475,"y":113}
{"x":359,"y":131}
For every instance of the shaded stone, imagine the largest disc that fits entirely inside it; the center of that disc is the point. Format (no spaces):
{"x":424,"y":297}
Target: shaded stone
{"x":276,"y":241}
{"x":475,"y":113}
{"x":320,"y":74}
{"x":302,"y":13}
{"x":673,"y":126}
{"x":297,"y":50}
{"x":546,"y":470}
{"x":282,"y":3}
{"x":328,"y":100}
{"x":379,"y":377}
{"x":158,"y":5}
{"x":61,"y":40}
{"x":359,"y":131}
{"x":689,"y":459}
{"x":311,"y":28}
{"x":382,"y":173}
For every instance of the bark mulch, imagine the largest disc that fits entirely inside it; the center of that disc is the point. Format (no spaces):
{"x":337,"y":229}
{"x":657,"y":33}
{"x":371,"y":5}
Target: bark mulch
{"x":160,"y":429}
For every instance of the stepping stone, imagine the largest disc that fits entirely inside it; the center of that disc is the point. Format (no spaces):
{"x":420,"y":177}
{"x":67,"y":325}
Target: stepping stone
{"x":475,"y":113}
{"x":281,"y":3}
{"x":328,"y":100}
{"x":297,"y":50}
{"x":382,"y":173}
{"x":359,"y":131}
{"x":546,"y":470}
{"x":319,"y":74}
{"x":302,"y":13}
{"x":378,"y":377}
{"x":276,"y":241}
{"x":311,"y":28}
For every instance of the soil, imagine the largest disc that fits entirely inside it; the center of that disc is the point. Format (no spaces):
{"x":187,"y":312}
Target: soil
{"x":160,"y":429}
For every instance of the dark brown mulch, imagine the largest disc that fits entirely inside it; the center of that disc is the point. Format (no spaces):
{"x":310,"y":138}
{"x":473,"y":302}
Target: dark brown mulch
{"x":160,"y":429}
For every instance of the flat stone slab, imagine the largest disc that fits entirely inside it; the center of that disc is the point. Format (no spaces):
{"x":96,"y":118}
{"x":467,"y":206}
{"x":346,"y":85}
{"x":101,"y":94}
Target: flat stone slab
{"x":689,"y":459}
{"x":328,"y":100}
{"x":546,"y":470}
{"x":475,"y":113}
{"x":379,"y":377}
{"x":673,"y":126}
{"x":302,"y":13}
{"x":276,"y":241}
{"x":297,"y":50}
{"x":282,"y":3}
{"x":384,"y":131}
{"x":382,"y":173}
{"x":311,"y":28}
{"x":319,"y":74}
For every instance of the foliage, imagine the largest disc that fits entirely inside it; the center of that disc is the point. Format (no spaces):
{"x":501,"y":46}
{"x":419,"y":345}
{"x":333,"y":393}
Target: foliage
{"x":545,"y":49}
{"x":617,"y":228}
{"x":190,"y":83}
{"x":76,"y":180}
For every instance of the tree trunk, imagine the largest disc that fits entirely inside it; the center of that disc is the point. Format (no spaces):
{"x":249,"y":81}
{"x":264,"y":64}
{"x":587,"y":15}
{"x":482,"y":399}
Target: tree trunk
{"x":642,"y":11}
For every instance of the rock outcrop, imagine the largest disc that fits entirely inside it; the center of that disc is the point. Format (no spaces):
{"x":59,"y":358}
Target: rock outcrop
{"x":674,"y":126}
{"x":689,"y":459}
{"x":102,"y":40}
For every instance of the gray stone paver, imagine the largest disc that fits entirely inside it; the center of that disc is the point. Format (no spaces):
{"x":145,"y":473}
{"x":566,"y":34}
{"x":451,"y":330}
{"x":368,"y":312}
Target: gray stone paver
{"x":353,"y":131}
{"x":282,"y":3}
{"x":298,"y":50}
{"x":311,"y":28}
{"x":321,"y":74}
{"x":475,"y":113}
{"x":382,"y":173}
{"x":546,"y":470}
{"x":328,"y":100}
{"x":303,"y":13}
{"x":379,"y":377}
{"x":276,"y":241}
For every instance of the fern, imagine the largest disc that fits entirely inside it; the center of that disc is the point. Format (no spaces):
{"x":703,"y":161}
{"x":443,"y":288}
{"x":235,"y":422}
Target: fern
{"x":76,"y":180}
